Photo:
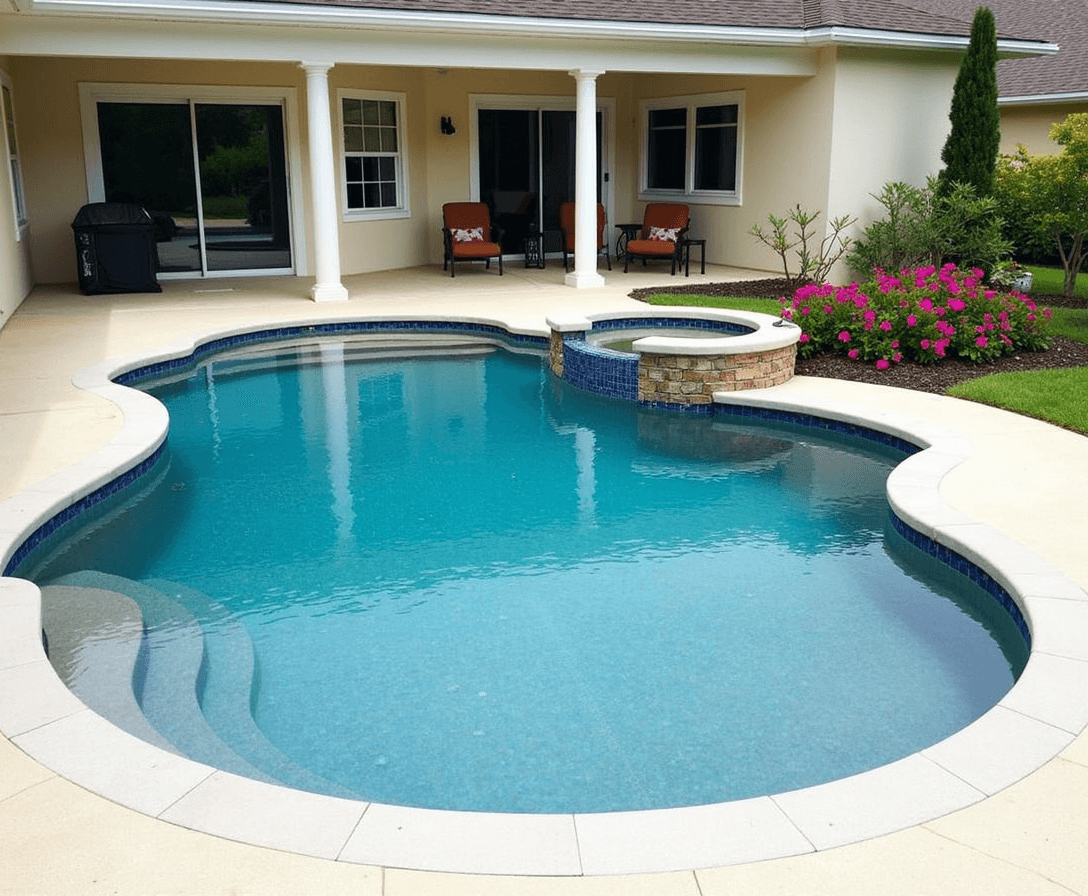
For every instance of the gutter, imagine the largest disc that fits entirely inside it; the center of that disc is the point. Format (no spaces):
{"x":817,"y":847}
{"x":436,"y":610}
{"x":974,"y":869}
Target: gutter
{"x":1037,"y":99}
{"x":233,"y":11}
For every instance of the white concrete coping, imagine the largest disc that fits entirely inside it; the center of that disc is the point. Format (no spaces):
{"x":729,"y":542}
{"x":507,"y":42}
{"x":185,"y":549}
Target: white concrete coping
{"x":767,"y":331}
{"x":1036,"y":719}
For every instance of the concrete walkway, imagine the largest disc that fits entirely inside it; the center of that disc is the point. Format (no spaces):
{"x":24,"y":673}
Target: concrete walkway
{"x":1025,"y":479}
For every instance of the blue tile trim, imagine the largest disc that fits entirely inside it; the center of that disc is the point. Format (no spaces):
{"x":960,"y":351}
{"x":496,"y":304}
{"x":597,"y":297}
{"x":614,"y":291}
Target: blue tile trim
{"x":72,"y":511}
{"x":603,"y":371}
{"x":159,"y":368}
{"x":965,"y":567}
{"x":811,"y":420}
{"x":674,"y":323}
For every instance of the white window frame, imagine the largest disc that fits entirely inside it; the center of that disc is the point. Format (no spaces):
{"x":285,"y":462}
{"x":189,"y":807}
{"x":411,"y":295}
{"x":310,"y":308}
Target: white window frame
{"x":403,"y":208}
{"x":15,"y":162}
{"x":691,"y":104}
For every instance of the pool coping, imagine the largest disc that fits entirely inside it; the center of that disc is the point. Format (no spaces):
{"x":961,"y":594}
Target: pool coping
{"x":1034,"y":722}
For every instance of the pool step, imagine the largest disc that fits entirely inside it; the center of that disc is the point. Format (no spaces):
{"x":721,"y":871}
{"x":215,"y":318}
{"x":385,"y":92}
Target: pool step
{"x":170,"y":660}
{"x":93,"y":638}
{"x":228,"y":691}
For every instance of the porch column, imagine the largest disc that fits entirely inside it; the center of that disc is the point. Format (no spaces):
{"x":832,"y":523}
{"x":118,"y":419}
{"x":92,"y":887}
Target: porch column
{"x":585,"y":183}
{"x":326,"y":230}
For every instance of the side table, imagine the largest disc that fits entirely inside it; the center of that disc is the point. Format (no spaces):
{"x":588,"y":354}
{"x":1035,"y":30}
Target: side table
{"x":685,"y":247}
{"x":627,"y":232}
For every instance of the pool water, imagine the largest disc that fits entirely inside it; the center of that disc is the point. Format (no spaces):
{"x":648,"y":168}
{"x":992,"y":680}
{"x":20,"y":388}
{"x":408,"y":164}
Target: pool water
{"x":471,"y":586}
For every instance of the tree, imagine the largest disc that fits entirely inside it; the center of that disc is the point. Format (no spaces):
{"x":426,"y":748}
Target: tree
{"x":1045,"y":198}
{"x":970,"y":152}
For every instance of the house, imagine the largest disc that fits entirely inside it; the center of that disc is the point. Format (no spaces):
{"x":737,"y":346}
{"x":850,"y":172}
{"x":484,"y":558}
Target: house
{"x":320,"y":139}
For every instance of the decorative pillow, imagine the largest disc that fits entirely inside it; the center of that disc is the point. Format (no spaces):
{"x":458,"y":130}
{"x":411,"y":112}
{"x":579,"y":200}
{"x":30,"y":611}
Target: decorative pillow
{"x":471,"y":235}
{"x":664,"y":234}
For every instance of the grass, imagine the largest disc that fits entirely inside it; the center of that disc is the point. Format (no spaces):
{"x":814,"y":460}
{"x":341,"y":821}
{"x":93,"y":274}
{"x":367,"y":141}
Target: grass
{"x":1053,"y":395}
{"x":1051,"y":281}
{"x":1056,"y":396}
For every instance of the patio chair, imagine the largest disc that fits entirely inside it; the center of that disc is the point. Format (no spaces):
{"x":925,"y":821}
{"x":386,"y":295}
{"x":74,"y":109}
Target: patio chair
{"x":661,"y":238}
{"x":468,"y":235}
{"x":566,"y":229}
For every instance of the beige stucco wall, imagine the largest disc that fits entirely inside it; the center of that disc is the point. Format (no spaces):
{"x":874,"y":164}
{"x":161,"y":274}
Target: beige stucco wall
{"x":1030,"y":126}
{"x":890,"y":122}
{"x":16,"y":277}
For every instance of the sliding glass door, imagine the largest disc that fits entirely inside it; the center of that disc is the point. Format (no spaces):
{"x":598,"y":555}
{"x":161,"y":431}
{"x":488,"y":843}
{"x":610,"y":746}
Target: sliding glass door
{"x":212,"y":175}
{"x":527,"y":170}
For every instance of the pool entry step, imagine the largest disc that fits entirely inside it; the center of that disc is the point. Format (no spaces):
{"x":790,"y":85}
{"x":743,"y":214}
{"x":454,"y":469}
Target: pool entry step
{"x":135,"y":653}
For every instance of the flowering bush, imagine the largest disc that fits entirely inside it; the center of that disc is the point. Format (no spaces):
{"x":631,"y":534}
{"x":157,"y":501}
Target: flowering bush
{"x":922,"y":315}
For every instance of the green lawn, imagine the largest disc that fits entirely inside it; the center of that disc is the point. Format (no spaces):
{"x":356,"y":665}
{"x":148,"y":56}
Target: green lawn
{"x":1051,"y":281}
{"x":1054,"y":395}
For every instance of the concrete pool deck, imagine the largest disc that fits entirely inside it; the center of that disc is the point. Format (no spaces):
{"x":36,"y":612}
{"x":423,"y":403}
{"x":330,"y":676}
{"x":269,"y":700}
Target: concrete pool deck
{"x":1024,"y":479}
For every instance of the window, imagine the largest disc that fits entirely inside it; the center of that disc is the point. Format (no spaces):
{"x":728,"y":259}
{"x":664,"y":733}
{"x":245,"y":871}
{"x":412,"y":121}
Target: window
{"x":692,"y":148}
{"x":375,"y":183}
{"x":7,"y":113}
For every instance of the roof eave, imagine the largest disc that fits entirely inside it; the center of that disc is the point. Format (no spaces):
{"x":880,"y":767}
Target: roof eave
{"x":242,"y":11}
{"x":1040,"y":99}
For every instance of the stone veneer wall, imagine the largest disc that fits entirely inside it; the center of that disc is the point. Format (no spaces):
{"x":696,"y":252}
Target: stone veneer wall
{"x":693,"y":379}
{"x":555,"y":354}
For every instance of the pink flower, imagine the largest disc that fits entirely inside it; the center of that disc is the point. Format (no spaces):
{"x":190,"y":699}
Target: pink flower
{"x":926,"y":305}
{"x":885,"y":325}
{"x":853,"y":353}
{"x":956,"y":304}
{"x":844,"y":336}
{"x":870,"y":315}
{"x":912,"y":321}
{"x":924,"y":343}
{"x":805,"y":338}
{"x":982,"y":342}
{"x":882,"y":364}
{"x":897,"y":357}
{"x":806,"y":310}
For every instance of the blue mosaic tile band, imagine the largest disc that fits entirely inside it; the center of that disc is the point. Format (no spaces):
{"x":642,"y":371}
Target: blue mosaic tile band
{"x":160,"y":368}
{"x":965,"y":567}
{"x":674,"y":323}
{"x":811,"y":420}
{"x":87,"y":502}
{"x":603,"y":371}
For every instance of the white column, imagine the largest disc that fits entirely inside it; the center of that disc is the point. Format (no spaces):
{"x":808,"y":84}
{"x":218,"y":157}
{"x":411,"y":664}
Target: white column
{"x":585,"y":183}
{"x":326,"y":230}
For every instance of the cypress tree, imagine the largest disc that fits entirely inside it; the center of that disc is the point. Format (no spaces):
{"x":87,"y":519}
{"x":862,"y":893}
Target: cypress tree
{"x":970,"y":152}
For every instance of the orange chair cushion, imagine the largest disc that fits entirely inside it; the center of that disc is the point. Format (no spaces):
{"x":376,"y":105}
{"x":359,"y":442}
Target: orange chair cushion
{"x":663,"y":248}
{"x":475,"y":249}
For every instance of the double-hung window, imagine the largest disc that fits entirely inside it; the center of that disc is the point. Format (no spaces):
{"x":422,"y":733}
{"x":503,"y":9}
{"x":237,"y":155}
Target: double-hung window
{"x":691,"y":148}
{"x":7,"y":119}
{"x":374,"y":173}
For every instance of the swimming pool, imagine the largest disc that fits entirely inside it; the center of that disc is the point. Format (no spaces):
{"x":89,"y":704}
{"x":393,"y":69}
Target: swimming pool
{"x":658,"y":671}
{"x":1030,"y":725}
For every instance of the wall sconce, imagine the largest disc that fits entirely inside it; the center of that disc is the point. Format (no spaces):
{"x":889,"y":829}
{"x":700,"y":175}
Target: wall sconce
{"x":446,"y":125}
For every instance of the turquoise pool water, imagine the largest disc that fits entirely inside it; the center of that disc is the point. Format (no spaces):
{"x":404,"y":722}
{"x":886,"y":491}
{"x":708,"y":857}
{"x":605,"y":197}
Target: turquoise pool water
{"x":471,"y":586}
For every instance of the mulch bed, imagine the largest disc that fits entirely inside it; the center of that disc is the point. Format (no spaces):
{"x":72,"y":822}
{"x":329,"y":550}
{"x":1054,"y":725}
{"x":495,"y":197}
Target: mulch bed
{"x":1063,"y":352}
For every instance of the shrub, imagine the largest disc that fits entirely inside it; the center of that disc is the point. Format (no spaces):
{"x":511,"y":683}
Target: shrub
{"x":923,"y":315}
{"x":970,"y":152}
{"x":814,"y":258}
{"x":925,"y":227}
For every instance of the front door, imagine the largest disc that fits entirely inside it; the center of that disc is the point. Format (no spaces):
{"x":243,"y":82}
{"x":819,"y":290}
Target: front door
{"x":527,"y":169}
{"x":211,"y":174}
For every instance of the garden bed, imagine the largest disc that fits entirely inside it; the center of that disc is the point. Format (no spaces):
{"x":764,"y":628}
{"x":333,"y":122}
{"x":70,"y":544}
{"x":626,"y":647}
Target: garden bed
{"x":1063,"y":352}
